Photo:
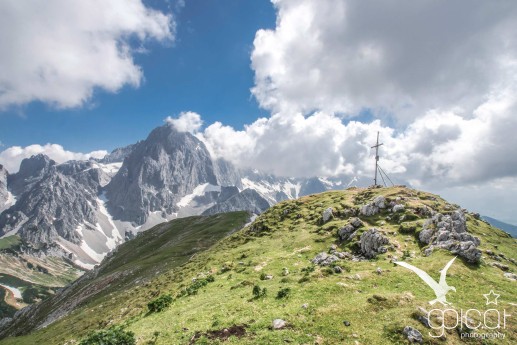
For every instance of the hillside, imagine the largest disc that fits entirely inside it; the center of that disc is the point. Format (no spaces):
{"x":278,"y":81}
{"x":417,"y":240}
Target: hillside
{"x":313,"y":262}
{"x":511,"y":229}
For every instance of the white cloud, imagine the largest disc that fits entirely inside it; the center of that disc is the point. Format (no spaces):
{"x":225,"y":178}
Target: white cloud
{"x":59,"y":51}
{"x":187,"y":121}
{"x":11,"y":157}
{"x":398,"y":57}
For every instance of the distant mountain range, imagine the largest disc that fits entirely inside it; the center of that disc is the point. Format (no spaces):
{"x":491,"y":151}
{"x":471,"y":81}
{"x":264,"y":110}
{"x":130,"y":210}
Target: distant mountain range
{"x":82,"y":210}
{"x":509,"y":228}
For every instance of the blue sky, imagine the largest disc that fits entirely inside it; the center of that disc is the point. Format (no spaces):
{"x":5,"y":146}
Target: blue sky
{"x":206,"y":70}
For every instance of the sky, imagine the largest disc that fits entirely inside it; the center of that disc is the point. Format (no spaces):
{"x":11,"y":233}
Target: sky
{"x":292,"y":87}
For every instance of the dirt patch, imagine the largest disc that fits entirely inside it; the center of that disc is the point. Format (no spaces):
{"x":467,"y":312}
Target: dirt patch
{"x":238,"y":331}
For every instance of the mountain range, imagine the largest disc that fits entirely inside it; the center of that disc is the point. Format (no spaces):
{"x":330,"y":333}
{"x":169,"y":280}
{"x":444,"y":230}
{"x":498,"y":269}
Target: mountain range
{"x":82,"y":210}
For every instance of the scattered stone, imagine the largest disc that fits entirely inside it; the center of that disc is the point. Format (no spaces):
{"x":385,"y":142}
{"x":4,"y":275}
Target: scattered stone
{"x":338,"y":269}
{"x":347,"y":232}
{"x":500,"y":266}
{"x":279,"y":324}
{"x":374,"y":207}
{"x":450,"y":232}
{"x":268,"y":277}
{"x":305,"y":305}
{"x":333,"y":247}
{"x":398,"y":208}
{"x":356,"y":277}
{"x":379,"y":270}
{"x":412,"y":334}
{"x":327,"y":215}
{"x":356,"y":222}
{"x":346,"y":323}
{"x":511,"y":276}
{"x":373,"y":242}
{"x":324,"y":259}
{"x":285,"y":271}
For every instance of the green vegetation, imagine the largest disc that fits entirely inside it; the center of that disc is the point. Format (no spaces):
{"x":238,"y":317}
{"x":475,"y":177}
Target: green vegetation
{"x":375,"y":297}
{"x":6,"y":310}
{"x":9,"y":242}
{"x":283,"y":293}
{"x":258,"y":292}
{"x":160,"y":303}
{"x":110,"y":336}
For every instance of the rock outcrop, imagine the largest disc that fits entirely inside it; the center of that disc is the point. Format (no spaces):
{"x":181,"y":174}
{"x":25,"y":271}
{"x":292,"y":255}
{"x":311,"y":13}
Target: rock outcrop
{"x":412,"y":334}
{"x":373,"y":242}
{"x":349,"y":231}
{"x":450,"y":232}
{"x":374,"y":207}
{"x":324,"y":259}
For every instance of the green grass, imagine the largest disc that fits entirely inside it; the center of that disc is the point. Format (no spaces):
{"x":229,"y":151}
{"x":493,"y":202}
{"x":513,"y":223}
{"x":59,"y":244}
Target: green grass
{"x":136,"y":263}
{"x":289,"y":235}
{"x":9,"y":242}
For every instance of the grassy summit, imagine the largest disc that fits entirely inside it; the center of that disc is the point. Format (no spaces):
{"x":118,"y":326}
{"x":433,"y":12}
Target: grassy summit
{"x":232,"y":292}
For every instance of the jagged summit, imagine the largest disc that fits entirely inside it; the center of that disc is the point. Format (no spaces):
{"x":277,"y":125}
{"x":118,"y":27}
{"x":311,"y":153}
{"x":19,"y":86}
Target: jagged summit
{"x":157,"y":173}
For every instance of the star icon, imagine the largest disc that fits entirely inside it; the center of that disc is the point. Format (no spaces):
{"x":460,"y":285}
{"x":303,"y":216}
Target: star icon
{"x":491,"y":297}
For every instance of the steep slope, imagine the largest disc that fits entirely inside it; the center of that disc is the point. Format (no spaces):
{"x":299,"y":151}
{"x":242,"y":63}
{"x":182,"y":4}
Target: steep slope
{"x":325,"y":264}
{"x":132,"y":267}
{"x":6,"y":198}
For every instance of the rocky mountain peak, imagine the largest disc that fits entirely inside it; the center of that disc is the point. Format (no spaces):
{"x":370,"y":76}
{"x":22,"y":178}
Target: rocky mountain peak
{"x":31,"y":170}
{"x":157,"y":173}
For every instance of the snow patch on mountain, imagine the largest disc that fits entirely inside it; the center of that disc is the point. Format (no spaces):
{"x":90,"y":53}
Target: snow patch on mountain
{"x":15,"y":291}
{"x":275,"y":191}
{"x":9,"y":201}
{"x":200,"y":190}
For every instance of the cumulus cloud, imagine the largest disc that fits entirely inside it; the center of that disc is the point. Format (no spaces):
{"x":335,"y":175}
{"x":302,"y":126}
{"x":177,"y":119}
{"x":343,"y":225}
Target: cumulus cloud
{"x":438,"y":149}
{"x":59,"y":51}
{"x":11,"y":157}
{"x":187,"y":121}
{"x":401,"y":58}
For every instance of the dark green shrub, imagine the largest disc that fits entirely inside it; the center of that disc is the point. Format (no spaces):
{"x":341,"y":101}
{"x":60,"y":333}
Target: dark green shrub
{"x":304,"y":279}
{"x":258,"y":292}
{"x":111,"y":336}
{"x":159,"y":303}
{"x":283,"y":293}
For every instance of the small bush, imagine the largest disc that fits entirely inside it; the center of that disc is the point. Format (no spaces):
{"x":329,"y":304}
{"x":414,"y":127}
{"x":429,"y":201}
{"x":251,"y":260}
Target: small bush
{"x":111,"y":336}
{"x":159,"y":303}
{"x":195,"y":286}
{"x":309,"y":269}
{"x":263,"y":276}
{"x":258,"y":292}
{"x":283,"y":293}
{"x":304,"y":279}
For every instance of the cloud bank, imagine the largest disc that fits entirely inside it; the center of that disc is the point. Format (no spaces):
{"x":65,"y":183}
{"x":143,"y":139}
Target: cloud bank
{"x":60,"y":51}
{"x":11,"y":157}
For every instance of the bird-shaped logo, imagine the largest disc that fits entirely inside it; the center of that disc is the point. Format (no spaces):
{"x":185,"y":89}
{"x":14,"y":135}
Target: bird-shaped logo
{"x":440,"y":289}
